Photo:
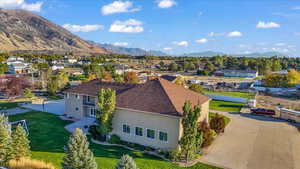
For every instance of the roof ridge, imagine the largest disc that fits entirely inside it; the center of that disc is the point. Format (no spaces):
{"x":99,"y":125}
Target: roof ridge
{"x":166,"y":93}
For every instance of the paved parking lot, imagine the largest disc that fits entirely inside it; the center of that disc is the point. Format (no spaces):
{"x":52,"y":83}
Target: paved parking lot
{"x":252,"y":142}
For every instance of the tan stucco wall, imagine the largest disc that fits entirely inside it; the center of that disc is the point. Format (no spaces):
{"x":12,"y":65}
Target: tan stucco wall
{"x":71,"y":104}
{"x":147,"y":120}
{"x":204,"y":112}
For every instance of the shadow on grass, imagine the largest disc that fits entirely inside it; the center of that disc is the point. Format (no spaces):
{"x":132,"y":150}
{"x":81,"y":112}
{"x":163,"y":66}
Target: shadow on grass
{"x":47,"y":134}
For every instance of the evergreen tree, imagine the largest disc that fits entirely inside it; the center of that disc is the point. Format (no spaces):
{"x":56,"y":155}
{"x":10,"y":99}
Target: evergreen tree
{"x":78,"y":155}
{"x":20,"y":144}
{"x":191,"y":140}
{"x":126,"y":162}
{"x":5,"y":140}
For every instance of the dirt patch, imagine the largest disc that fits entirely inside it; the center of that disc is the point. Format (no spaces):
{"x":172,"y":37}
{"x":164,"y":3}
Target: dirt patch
{"x":270,"y":102}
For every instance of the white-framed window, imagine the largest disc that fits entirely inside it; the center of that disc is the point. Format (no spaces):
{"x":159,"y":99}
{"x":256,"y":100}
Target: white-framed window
{"x":126,"y":128}
{"x":93,"y":112}
{"x":77,"y":96}
{"x":88,"y":98}
{"x":151,"y":133}
{"x":138,"y":131}
{"x":163,"y":136}
{"x":67,"y":95}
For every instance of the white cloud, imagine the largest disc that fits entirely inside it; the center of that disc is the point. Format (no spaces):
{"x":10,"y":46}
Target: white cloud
{"x":266,"y":25}
{"x":181,"y":43}
{"x":212,"y":34}
{"x":123,"y":44}
{"x":282,"y":50}
{"x":168,"y":48}
{"x":83,"y":28}
{"x":166,"y":3}
{"x":235,"y":34}
{"x":296,"y":8}
{"x":118,"y":7}
{"x":280,"y":44}
{"x":128,"y":26}
{"x":203,"y":40}
{"x":21,"y":4}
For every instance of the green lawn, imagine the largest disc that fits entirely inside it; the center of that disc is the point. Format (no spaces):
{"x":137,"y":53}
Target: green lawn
{"x":233,"y":94}
{"x":48,"y":137}
{"x":225,"y":106}
{"x":8,"y":105}
{"x":227,"y":119}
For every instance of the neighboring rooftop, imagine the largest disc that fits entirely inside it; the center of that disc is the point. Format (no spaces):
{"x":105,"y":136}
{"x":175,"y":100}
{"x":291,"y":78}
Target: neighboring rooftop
{"x":168,"y":77}
{"x":157,"y":95}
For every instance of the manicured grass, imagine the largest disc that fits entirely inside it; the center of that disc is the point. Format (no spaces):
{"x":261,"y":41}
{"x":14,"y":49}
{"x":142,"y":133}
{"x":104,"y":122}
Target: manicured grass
{"x":227,"y":119}
{"x":48,"y":137}
{"x":233,"y":94}
{"x":225,"y":106}
{"x":8,"y":105}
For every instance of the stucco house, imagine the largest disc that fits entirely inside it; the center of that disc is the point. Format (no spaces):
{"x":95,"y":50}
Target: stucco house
{"x":149,"y":114}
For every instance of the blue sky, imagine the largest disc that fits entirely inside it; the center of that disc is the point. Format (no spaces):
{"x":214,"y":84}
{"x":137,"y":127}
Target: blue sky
{"x":178,"y":26}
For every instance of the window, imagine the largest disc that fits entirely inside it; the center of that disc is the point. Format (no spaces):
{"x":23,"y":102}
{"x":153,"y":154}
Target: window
{"x":163,"y":136}
{"x":77,"y":96}
{"x":150,"y":133}
{"x":88,"y":99}
{"x":93,"y":112}
{"x":138,"y":131}
{"x":126,"y":128}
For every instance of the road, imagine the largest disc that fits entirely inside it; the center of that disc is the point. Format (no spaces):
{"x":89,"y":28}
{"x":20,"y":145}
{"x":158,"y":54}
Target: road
{"x":253,"y":142}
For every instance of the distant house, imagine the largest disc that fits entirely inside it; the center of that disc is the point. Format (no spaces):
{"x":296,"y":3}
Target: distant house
{"x":57,"y":67}
{"x":17,"y":65}
{"x":237,"y":73}
{"x":149,"y":114}
{"x":70,"y":60}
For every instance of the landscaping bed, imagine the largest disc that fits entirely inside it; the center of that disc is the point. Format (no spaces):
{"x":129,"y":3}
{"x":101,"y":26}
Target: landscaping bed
{"x":48,"y":137}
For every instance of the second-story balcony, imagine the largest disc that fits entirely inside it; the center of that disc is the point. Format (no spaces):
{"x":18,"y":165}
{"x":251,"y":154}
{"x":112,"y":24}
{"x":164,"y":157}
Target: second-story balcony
{"x":89,"y":101}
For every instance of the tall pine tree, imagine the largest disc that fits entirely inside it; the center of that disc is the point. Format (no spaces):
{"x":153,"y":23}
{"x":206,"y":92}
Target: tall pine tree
{"x":78,"y":154}
{"x":5,"y":140}
{"x":126,"y":162}
{"x":20,"y":144}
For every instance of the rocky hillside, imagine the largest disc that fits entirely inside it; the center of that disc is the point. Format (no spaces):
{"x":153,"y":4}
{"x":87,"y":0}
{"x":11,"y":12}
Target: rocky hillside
{"x":24,"y":31}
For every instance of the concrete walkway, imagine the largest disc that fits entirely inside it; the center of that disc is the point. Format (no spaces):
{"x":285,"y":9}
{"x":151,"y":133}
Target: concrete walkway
{"x":56,"y":107}
{"x":256,"y":142}
{"x":80,"y":124}
{"x":14,"y":111}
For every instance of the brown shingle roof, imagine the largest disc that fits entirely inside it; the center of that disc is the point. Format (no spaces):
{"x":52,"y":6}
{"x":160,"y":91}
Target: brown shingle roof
{"x":157,"y":96}
{"x":92,"y":87}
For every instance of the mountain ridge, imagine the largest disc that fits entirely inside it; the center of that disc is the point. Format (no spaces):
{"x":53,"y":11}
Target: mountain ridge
{"x":21,"y":30}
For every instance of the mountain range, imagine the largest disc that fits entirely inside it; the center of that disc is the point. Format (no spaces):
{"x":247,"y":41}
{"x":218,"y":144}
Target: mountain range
{"x":212,"y":53}
{"x":131,"y":51}
{"x":25,"y":31}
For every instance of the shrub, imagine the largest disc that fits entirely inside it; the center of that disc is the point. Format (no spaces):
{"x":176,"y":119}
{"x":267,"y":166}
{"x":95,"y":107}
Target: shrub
{"x":218,"y":123}
{"x":208,"y":134}
{"x":196,"y":88}
{"x":25,"y":163}
{"x":28,"y":93}
{"x":94,"y":132}
{"x":114,"y":139}
{"x":174,"y":155}
{"x":126,"y":162}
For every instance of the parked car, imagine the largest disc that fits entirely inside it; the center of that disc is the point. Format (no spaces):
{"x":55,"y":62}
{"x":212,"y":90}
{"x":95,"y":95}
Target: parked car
{"x":262,"y":111}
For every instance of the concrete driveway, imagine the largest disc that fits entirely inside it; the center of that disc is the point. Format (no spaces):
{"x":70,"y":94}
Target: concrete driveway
{"x":53,"y":106}
{"x":252,"y":142}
